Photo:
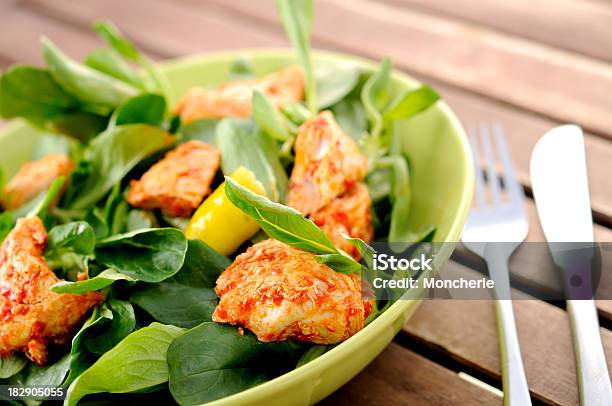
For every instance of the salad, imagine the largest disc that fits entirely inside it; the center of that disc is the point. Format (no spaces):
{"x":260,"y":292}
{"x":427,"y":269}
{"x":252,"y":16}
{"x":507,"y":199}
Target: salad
{"x":185,"y":253}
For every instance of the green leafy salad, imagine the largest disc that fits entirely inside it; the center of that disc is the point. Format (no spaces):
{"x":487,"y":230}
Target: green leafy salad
{"x":139,"y":212}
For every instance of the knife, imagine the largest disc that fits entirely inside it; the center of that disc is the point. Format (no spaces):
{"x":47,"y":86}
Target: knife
{"x":561,"y":192}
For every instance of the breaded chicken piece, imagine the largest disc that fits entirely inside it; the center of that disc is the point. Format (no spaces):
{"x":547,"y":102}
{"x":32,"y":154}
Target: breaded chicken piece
{"x":279,"y":292}
{"x":34,"y":178}
{"x":327,"y":163}
{"x":233,"y":99}
{"x":31,"y":316}
{"x":348,"y":214}
{"x":178,"y":183}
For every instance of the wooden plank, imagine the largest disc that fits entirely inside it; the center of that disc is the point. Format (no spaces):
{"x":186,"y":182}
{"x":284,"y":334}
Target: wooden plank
{"x":163,"y":27}
{"x":401,"y":377}
{"x":466,"y":331}
{"x":580,"y":26}
{"x":21,"y":32}
{"x":529,"y":75}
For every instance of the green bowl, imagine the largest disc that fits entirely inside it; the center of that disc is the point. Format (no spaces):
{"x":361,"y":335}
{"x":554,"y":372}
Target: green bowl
{"x":442,"y":176}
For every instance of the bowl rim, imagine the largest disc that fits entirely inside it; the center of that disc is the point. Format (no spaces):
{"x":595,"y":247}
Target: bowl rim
{"x":399,"y":307}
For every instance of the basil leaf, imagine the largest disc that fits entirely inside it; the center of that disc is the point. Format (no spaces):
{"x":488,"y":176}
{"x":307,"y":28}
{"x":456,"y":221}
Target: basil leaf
{"x":297,"y":17}
{"x":137,"y":362}
{"x":109,"y":62}
{"x":240,"y":146}
{"x":146,"y":108}
{"x":367,"y":252}
{"x":9,"y":366}
{"x":375,"y":96}
{"x":335,"y":82}
{"x":150,"y":255}
{"x":84,"y":83}
{"x":98,"y":282}
{"x":31,"y":93}
{"x":122,"y":324}
{"x":289,"y":226}
{"x":269,"y":119}
{"x":212,"y":361}
{"x":410,"y":103}
{"x":112,"y":155}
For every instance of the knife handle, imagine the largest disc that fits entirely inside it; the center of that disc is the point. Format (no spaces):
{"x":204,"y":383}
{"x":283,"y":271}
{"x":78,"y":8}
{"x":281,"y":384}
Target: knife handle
{"x":593,"y":378}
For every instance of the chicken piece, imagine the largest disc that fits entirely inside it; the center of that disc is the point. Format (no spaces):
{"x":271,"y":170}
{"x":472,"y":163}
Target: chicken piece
{"x":279,"y":292}
{"x":233,"y":99}
{"x":31,"y":316}
{"x":34,"y":178}
{"x":327,"y":163}
{"x":178,"y":183}
{"x":348,"y":214}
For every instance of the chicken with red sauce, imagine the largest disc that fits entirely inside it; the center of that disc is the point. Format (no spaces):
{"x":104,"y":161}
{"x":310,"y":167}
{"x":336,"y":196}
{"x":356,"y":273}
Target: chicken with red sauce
{"x":31,"y":315}
{"x":279,"y":292}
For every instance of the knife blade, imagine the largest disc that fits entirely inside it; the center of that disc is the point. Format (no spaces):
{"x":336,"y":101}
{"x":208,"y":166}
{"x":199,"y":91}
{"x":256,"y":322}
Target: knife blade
{"x":560,"y":188}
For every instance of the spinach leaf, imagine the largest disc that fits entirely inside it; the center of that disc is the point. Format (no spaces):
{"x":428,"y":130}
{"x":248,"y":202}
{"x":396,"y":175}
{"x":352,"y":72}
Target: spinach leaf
{"x":375,"y":96}
{"x":138,"y":219}
{"x":150,"y":255}
{"x":51,"y":144}
{"x":202,"y":266}
{"x":313,"y":353}
{"x":136,"y":363}
{"x":367,"y":252}
{"x":296,"y":112}
{"x":112,"y":155}
{"x":271,"y":152}
{"x":204,"y":130}
{"x":9,"y":366}
{"x":70,"y":246}
{"x":334,"y":82}
{"x":122,"y":324}
{"x":187,"y":299}
{"x":48,"y":198}
{"x":6,"y":224}
{"x":177,"y":304}
{"x":79,"y":357}
{"x":80,"y":125}
{"x":350,"y":115}
{"x":239,"y":146}
{"x":241,"y":69}
{"x":212,"y":361}
{"x":269,"y":119}
{"x":88,"y":85}
{"x":31,"y":93}
{"x":297,"y":16}
{"x":410,"y":103}
{"x":98,"y":282}
{"x":289,"y":226}
{"x":109,"y":62}
{"x":49,"y":375}
{"x":146,"y":108}
{"x":115,"y":210}
{"x":125,"y":48}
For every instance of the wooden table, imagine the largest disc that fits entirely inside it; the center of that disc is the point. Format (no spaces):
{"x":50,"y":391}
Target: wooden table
{"x":528,"y":65}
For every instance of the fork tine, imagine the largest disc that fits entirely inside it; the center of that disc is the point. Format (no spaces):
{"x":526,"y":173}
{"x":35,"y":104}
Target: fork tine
{"x":480,"y":194}
{"x":493,"y":179}
{"x":511,"y":183}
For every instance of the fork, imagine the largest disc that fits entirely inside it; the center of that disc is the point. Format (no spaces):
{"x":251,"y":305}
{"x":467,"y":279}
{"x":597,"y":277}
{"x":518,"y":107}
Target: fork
{"x":496,"y":226}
